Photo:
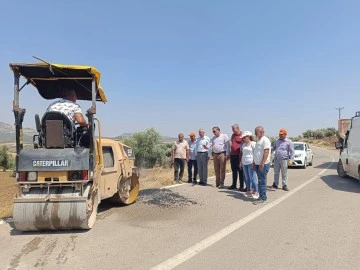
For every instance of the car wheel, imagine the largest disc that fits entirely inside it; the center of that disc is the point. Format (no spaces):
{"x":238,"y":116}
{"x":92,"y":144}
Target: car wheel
{"x":305,"y":163}
{"x":340,"y":169}
{"x":311,"y":162}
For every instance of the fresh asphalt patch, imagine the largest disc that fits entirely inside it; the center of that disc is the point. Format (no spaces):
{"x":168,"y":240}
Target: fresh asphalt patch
{"x":164,"y":198}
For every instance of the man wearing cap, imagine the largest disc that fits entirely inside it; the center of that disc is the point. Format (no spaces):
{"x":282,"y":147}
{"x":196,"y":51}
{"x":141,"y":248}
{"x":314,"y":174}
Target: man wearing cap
{"x":180,"y":155}
{"x":221,"y":151}
{"x":192,"y":159}
{"x":284,"y":153}
{"x":236,"y":141}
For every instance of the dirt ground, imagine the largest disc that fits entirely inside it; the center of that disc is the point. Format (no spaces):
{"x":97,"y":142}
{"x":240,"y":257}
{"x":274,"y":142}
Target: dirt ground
{"x":7,"y":193}
{"x":149,"y":178}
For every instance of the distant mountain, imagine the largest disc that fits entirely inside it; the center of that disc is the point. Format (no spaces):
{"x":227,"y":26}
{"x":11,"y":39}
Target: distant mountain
{"x":7,"y":133}
{"x":163,"y":138}
{"x":168,"y":139}
{"x":126,"y":134}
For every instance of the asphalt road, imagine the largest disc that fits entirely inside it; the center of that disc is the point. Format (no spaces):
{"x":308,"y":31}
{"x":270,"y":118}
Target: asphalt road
{"x":316,"y":225}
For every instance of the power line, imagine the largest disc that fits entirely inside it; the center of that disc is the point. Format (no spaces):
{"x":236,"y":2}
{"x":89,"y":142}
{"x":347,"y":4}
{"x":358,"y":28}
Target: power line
{"x":339,"y":109}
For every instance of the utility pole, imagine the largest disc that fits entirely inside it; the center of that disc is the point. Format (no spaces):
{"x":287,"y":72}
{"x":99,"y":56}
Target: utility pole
{"x":339,"y":109}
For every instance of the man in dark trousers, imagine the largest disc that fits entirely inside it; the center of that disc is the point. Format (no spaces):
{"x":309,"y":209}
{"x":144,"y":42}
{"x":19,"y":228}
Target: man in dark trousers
{"x":236,"y":142}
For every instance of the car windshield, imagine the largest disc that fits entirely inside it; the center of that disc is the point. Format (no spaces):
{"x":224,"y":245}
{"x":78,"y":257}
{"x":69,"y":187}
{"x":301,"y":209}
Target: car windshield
{"x":298,"y":146}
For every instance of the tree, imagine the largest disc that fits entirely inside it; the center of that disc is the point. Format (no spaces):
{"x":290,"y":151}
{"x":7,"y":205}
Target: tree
{"x":149,"y":151}
{"x":330,"y":132}
{"x":308,"y":134}
{"x":6,"y":160}
{"x":319,"y":134}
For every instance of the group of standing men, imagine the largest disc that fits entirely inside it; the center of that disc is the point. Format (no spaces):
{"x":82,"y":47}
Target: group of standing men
{"x":250,"y":160}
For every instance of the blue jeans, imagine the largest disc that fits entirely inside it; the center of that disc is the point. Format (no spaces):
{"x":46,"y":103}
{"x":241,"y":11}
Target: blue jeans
{"x":262,"y":178}
{"x":251,"y":181}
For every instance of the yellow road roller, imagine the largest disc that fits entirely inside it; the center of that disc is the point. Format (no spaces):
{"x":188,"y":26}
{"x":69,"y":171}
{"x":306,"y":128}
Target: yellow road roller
{"x":62,"y":179}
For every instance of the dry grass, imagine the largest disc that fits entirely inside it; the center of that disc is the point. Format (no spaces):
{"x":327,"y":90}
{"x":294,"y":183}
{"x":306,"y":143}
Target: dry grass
{"x":7,"y":193}
{"x":328,"y":143}
{"x":150,"y":178}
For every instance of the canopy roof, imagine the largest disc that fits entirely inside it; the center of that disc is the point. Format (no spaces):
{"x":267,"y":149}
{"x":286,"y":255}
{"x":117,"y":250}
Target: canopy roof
{"x":50,"y":79}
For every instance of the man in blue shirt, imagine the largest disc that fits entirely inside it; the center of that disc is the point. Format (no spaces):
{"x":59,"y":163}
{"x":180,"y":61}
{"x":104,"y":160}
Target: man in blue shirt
{"x":203,"y":147}
{"x":192,"y":163}
{"x":284,"y":152}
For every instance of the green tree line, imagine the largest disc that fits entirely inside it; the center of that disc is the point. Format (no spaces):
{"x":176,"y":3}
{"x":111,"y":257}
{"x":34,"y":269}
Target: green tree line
{"x":319,"y":133}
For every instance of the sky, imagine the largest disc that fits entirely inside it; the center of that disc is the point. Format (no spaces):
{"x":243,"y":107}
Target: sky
{"x":178,"y":66}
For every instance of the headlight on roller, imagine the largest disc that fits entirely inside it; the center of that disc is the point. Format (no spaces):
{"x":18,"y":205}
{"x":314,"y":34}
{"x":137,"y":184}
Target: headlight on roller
{"x":32,"y":176}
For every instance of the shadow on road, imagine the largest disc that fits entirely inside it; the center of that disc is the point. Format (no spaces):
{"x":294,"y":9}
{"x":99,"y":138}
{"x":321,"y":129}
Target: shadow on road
{"x":330,"y":165}
{"x":237,"y":195}
{"x":347,"y":184}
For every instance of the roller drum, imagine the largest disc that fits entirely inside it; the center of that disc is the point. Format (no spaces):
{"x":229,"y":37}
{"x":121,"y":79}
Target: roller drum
{"x":62,"y":209}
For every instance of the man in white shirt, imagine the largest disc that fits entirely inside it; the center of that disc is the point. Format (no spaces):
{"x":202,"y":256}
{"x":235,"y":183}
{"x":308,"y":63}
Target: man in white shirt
{"x":202,"y":156}
{"x":221,"y":152}
{"x":262,"y":154}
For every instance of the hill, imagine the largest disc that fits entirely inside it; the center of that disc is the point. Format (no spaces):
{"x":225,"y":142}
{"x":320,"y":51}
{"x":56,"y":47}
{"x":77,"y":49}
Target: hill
{"x":164,"y":139}
{"x":7,"y":133}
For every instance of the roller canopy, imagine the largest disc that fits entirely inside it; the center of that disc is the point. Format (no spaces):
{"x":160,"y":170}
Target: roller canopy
{"x":50,"y":79}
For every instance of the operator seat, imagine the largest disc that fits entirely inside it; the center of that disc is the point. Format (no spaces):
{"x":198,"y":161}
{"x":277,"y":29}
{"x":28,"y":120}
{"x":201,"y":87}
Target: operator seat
{"x":58,"y":131}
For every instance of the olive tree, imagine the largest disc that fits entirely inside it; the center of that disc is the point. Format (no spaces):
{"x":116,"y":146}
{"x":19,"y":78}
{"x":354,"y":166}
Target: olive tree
{"x":148,"y":148}
{"x":6,"y":160}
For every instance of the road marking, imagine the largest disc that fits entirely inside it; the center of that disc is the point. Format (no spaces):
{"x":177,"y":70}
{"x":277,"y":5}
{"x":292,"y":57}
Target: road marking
{"x":209,"y":241}
{"x":176,"y":185}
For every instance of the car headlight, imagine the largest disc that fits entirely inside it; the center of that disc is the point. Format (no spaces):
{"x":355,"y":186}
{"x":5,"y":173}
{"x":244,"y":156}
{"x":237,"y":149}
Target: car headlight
{"x":32,"y":176}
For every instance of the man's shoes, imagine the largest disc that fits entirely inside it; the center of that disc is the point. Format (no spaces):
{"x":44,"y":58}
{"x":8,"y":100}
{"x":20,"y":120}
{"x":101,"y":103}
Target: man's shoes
{"x":242,"y":189}
{"x":221,"y":186}
{"x":259,"y":201}
{"x":275,"y":186}
{"x":190,"y":181}
{"x":285,"y":188}
{"x":202,"y":184}
{"x":194,"y":182}
{"x":232,"y":187}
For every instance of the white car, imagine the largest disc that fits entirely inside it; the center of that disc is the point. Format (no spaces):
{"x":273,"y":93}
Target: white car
{"x":303,"y":155}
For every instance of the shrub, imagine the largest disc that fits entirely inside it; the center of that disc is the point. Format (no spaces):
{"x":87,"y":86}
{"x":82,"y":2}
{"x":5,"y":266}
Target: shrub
{"x":6,"y":159}
{"x":149,"y":151}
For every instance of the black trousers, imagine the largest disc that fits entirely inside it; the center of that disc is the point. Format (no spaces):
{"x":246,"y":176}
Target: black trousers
{"x":179,"y":165}
{"x":192,"y":164}
{"x":235,"y":161}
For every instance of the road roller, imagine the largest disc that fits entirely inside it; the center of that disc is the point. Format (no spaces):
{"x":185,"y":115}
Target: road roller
{"x":69,"y":169}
